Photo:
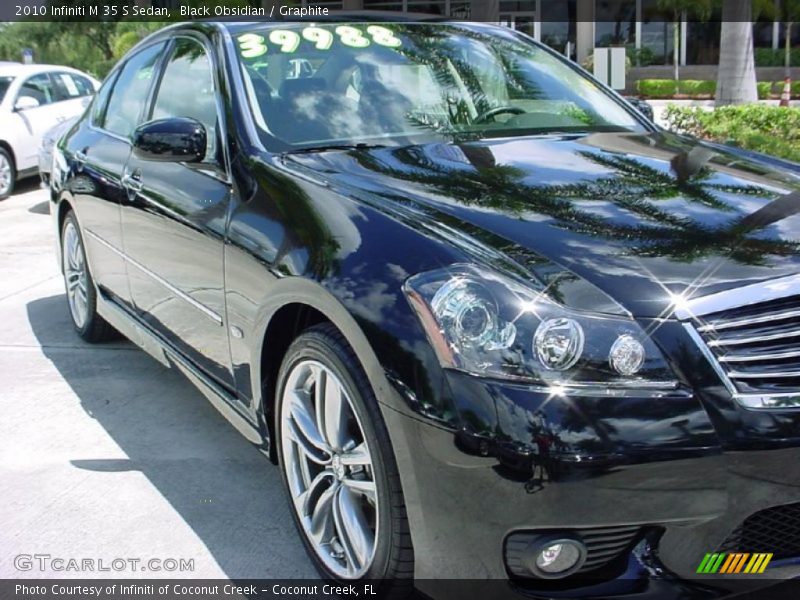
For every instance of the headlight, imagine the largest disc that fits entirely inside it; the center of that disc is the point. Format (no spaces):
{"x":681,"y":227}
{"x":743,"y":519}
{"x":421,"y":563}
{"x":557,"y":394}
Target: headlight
{"x":483,"y":323}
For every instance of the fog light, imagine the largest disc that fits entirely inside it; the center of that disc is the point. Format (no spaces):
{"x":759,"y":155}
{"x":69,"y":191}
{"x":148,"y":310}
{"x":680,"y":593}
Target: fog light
{"x":558,"y":558}
{"x":626,"y":355}
{"x":554,"y":556}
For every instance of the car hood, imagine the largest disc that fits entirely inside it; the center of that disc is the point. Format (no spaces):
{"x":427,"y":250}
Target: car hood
{"x":644,"y":217}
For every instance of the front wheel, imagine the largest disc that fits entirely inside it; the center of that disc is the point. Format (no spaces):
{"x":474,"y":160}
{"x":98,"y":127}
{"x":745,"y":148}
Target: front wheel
{"x":337,"y":463}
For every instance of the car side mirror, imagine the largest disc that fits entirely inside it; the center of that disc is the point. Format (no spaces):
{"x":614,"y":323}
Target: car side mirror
{"x":641,"y":105}
{"x":170,"y":140}
{"x":26,"y":102}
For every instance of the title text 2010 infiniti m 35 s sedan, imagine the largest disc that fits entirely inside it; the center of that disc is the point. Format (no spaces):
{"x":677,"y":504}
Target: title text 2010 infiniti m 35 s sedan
{"x":490,"y":321}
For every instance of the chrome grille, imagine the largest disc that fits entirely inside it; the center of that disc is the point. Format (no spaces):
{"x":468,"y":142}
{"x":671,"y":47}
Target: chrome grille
{"x":757,"y":346}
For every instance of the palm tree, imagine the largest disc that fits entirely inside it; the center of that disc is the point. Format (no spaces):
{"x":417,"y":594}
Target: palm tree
{"x":789,"y":14}
{"x":631,"y":184}
{"x":786,"y":12}
{"x":678,"y":9}
{"x":736,"y":79}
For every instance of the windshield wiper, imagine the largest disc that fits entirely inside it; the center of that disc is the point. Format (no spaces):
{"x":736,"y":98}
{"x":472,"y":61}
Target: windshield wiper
{"x":325,"y":148}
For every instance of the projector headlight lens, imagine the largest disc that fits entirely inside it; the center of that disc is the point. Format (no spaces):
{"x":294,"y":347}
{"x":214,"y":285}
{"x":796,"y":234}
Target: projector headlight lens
{"x":491,"y":325}
{"x":469,"y":311}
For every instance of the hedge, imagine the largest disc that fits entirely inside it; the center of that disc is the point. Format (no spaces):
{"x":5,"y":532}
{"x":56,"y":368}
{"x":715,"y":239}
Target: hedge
{"x":657,"y":88}
{"x":767,"y":57}
{"x":693,"y":88}
{"x":759,"y":127}
{"x":764,"y":89}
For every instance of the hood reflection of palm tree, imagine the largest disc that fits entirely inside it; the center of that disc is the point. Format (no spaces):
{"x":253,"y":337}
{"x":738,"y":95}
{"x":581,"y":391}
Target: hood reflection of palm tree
{"x":634,"y":186}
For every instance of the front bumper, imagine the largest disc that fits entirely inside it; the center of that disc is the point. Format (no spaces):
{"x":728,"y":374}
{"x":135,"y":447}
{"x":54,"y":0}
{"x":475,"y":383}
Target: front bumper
{"x":686,"y":469}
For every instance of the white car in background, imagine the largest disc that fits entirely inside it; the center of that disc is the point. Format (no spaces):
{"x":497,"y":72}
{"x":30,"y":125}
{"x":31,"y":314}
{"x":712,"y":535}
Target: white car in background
{"x":33,"y":99}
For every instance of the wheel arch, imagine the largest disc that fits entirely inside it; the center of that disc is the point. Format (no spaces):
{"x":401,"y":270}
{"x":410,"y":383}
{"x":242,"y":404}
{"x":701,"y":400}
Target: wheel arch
{"x":7,"y":147}
{"x":296,"y":306}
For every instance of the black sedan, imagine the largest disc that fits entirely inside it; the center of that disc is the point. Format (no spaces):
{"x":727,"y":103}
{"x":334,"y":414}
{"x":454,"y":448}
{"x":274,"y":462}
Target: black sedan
{"x":490,"y":322}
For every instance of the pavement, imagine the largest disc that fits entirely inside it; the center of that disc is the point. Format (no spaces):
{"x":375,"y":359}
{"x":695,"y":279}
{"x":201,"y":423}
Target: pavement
{"x":105,"y":454}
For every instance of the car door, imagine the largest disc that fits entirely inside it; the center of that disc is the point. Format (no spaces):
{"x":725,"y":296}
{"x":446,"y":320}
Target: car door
{"x":98,"y":150}
{"x":35,"y":109}
{"x":175,"y":217}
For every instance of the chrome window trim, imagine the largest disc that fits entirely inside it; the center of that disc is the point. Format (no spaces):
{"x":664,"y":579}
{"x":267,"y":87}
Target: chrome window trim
{"x":177,"y":292}
{"x":214,"y":64}
{"x":110,"y":134}
{"x":237,"y":87}
{"x":115,"y":72}
{"x":694,"y":310}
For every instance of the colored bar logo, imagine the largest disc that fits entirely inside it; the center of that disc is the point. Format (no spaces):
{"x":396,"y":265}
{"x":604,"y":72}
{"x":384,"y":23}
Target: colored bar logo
{"x":730,"y":563}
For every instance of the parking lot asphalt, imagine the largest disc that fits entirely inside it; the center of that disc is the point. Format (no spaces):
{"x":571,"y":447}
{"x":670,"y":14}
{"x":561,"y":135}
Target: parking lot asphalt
{"x":105,"y":454}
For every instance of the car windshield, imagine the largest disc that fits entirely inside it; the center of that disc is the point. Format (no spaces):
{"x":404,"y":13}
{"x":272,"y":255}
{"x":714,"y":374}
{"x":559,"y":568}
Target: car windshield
{"x":5,"y":83}
{"x":314,"y":86}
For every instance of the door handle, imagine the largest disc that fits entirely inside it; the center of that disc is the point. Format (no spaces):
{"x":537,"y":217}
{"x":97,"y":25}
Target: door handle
{"x":132,"y":181}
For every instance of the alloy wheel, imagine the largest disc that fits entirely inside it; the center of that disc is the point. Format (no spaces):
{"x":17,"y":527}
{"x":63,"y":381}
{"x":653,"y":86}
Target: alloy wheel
{"x":329,"y":469}
{"x":5,"y":175}
{"x":75,"y":274}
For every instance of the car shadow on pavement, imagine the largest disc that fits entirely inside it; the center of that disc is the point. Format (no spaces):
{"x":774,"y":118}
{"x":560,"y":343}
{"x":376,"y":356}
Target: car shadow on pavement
{"x":42,"y":208}
{"x":218,"y":483}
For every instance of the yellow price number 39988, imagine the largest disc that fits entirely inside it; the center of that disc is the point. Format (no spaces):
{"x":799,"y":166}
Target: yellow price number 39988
{"x":253,"y":45}
{"x":384,"y":36}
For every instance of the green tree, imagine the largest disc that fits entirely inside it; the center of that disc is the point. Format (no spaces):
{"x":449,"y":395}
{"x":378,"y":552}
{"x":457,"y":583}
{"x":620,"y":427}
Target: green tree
{"x":92,"y":47}
{"x":788,"y":13}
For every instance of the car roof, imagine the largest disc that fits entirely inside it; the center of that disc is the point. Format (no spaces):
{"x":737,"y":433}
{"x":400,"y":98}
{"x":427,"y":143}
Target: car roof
{"x":17,"y":70}
{"x":236,"y":25}
{"x":340,"y":16}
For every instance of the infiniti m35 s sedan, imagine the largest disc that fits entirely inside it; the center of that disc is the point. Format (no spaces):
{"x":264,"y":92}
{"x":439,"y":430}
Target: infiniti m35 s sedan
{"x":490,"y":321}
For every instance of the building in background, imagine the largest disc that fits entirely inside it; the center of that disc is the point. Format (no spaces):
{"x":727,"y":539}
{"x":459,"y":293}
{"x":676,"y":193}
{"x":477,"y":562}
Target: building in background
{"x":575,"y":27}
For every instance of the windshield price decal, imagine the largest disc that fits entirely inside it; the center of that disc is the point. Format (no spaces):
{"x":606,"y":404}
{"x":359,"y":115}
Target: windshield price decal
{"x":253,"y":45}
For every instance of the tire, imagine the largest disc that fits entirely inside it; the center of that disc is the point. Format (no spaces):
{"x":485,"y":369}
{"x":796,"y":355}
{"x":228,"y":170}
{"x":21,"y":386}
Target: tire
{"x":321,"y":353}
{"x":8,"y":174}
{"x":79,"y":285}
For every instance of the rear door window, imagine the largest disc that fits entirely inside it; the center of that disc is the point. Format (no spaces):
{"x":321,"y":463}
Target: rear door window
{"x":70,"y":86}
